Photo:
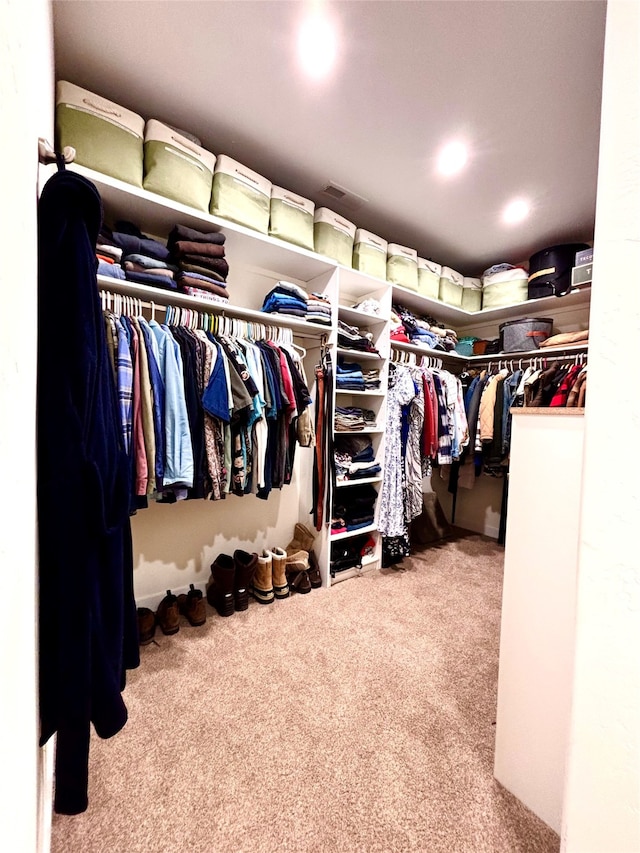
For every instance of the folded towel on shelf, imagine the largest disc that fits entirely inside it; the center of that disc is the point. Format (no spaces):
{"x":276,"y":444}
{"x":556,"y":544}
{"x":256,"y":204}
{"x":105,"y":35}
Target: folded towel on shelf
{"x":182,"y":232}
{"x":185,"y":280}
{"x":111,"y":270}
{"x":131,"y":266}
{"x":160,"y":281}
{"x":217,"y":265}
{"x":208,"y":273}
{"x":566,"y":338}
{"x":190,"y":247}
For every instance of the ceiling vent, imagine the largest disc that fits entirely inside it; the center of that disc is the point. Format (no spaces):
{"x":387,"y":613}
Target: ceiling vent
{"x":344,"y":197}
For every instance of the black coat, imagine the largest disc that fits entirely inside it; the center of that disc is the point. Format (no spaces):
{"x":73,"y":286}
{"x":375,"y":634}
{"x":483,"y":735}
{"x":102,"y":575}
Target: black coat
{"x":87,"y":617}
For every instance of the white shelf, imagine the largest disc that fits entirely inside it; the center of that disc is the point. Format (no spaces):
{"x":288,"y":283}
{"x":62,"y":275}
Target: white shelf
{"x":359,"y":356}
{"x":368,"y":431}
{"x":346,"y":391}
{"x":341,"y":484}
{"x":418,"y":349}
{"x":354,"y":317}
{"x":157,"y":215}
{"x":370,"y":528}
{"x":368,"y":565}
{"x":160,"y":297}
{"x":528,"y":354}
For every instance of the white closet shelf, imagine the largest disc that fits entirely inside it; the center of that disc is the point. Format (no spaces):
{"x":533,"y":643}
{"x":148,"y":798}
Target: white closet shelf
{"x":162,"y":297}
{"x":458,"y":318}
{"x":346,"y":392}
{"x":354,"y":317}
{"x":370,"y":528}
{"x":528,"y":354}
{"x":418,"y":349}
{"x":368,"y":565}
{"x":157,"y":215}
{"x":359,"y":356}
{"x":341,"y":484}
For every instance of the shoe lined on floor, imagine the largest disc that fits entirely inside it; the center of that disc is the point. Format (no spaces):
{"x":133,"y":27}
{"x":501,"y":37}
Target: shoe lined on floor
{"x":146,"y":625}
{"x":221,"y":583}
{"x":315,"y":578}
{"x":303,"y":539}
{"x":262,"y":586}
{"x":245,"y":564}
{"x":167,"y":614}
{"x":192,"y":606}
{"x":297,"y":574}
{"x":278,"y":573}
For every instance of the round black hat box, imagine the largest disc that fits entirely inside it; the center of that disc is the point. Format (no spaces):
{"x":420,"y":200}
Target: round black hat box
{"x":550,"y":270}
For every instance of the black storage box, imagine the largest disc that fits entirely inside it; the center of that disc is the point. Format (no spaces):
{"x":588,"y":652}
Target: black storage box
{"x":550,"y":270}
{"x":524,"y":335}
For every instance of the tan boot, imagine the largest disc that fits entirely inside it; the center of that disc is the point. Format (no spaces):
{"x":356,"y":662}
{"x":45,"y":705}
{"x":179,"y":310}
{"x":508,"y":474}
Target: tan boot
{"x":262,"y":587}
{"x":278,"y":573}
{"x":303,"y":539}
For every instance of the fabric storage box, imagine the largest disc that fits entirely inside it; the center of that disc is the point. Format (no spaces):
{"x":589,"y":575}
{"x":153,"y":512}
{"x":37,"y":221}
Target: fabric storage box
{"x":291,"y":218}
{"x":106,"y":136}
{"x":175,"y":167}
{"x":333,"y":236}
{"x":465,"y":346}
{"x":370,"y":254}
{"x":550,"y":270}
{"x":240,"y":195}
{"x":402,"y":266}
{"x":508,"y":287}
{"x":429,"y":273}
{"x":471,"y":294}
{"x":451,"y":287}
{"x":524,"y":335}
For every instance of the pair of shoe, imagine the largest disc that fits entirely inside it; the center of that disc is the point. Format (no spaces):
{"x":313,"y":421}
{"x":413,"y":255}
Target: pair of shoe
{"x":303,"y":571}
{"x":270,"y":578}
{"x":168,"y":614}
{"x":230,"y":581}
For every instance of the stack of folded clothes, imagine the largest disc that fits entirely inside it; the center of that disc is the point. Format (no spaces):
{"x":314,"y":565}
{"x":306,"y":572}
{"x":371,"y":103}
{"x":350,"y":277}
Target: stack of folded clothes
{"x":145,"y":260}
{"x":371,"y":379}
{"x":423,"y":330}
{"x":354,"y":419}
{"x":397,"y":331}
{"x":286,"y":298}
{"x":108,"y":255}
{"x":203,"y":268}
{"x":318,"y":309}
{"x":349,"y":376}
{"x":350,"y":337}
{"x":356,"y":509}
{"x":354,"y":458}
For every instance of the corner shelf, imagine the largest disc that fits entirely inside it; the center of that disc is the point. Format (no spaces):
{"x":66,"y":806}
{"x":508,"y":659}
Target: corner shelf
{"x":354,"y":317}
{"x":341,"y":484}
{"x":370,"y":528}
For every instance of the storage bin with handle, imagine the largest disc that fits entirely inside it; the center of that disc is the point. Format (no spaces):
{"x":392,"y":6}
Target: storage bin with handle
{"x":175,"y":167}
{"x":507,"y":287}
{"x":429,"y":273}
{"x":524,"y":335}
{"x":291,"y":217}
{"x":451,"y":287}
{"x":241,"y":195}
{"x":106,"y":136}
{"x":402,"y":266}
{"x":471,"y":294}
{"x":370,"y":254}
{"x":333,"y":236}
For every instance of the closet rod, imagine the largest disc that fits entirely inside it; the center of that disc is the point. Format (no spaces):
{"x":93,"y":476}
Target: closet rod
{"x":519,"y":360}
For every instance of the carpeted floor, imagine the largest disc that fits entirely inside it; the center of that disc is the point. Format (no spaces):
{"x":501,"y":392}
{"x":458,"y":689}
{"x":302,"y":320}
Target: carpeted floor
{"x":359,"y":718}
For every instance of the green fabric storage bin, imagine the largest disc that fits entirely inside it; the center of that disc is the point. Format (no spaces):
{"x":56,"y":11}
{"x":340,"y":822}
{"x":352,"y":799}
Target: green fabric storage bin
{"x":240,"y":194}
{"x":291,"y":218}
{"x":106,"y":136}
{"x":402,"y":266}
{"x":508,"y":287}
{"x":370,"y":254}
{"x":471,"y":294}
{"x":451,"y":287}
{"x":429,"y":273}
{"x":175,"y":167}
{"x":333,"y":236}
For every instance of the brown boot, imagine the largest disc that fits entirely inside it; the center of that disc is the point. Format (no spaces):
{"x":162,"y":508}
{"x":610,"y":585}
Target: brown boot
{"x":303,"y":539}
{"x":192,"y":606}
{"x":262,"y":586}
{"x":278,"y":573}
{"x":146,"y":625}
{"x":298,"y":576}
{"x":221,"y":583}
{"x":315,"y":577}
{"x":167,"y":614}
{"x":246,"y":565}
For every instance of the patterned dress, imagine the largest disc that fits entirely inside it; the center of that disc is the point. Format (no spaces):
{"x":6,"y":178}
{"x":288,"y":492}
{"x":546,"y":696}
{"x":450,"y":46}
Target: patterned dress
{"x":392,"y":515}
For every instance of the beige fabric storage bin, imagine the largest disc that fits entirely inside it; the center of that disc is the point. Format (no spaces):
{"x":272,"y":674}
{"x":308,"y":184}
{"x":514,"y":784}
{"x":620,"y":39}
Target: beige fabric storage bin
{"x":291,"y":218}
{"x":175,"y":167}
{"x":402,"y":266}
{"x":370,"y":254}
{"x":241,"y":195}
{"x":508,"y":287}
{"x":451,"y":287}
{"x":429,"y":273}
{"x":333,"y":236}
{"x":106,"y":136}
{"x":471,"y":294}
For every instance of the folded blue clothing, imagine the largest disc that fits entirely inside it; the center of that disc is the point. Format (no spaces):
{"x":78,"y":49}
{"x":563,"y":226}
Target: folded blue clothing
{"x":130,"y":245}
{"x":281,"y":293}
{"x":204,"y":278}
{"x":294,"y":312}
{"x":348,"y":366}
{"x":148,"y":261}
{"x":292,"y":289}
{"x":161,"y":281}
{"x":112,"y":270}
{"x":363,"y":473}
{"x":275,"y":301}
{"x":365,"y":455}
{"x":361,"y":525}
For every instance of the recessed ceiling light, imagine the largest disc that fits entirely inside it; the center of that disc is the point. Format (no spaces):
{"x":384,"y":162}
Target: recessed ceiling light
{"x":452,"y":158}
{"x":317,"y":45}
{"x":516,"y":211}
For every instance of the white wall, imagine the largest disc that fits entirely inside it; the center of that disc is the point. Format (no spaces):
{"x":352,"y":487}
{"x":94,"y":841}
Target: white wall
{"x":26,"y":111}
{"x":602,"y":800}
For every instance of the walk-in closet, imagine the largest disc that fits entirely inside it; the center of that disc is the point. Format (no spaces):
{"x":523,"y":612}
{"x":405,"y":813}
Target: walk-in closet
{"x":313,"y":539}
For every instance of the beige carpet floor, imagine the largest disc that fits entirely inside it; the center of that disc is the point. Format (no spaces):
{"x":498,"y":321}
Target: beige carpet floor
{"x":359,"y":718}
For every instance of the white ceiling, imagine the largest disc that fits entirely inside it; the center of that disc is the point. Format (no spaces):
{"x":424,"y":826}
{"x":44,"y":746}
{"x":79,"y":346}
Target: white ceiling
{"x":520,"y":80}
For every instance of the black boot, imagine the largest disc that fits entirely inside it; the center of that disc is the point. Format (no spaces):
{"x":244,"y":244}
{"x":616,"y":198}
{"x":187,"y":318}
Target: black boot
{"x":221,"y":584}
{"x":245,"y":569}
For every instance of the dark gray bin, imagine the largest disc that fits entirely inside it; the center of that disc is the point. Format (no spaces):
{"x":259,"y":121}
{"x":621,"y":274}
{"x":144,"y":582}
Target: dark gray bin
{"x":524,"y":335}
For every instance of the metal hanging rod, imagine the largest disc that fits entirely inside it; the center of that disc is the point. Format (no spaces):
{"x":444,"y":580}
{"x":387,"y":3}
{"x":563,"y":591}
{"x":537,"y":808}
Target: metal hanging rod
{"x":513,"y":363}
